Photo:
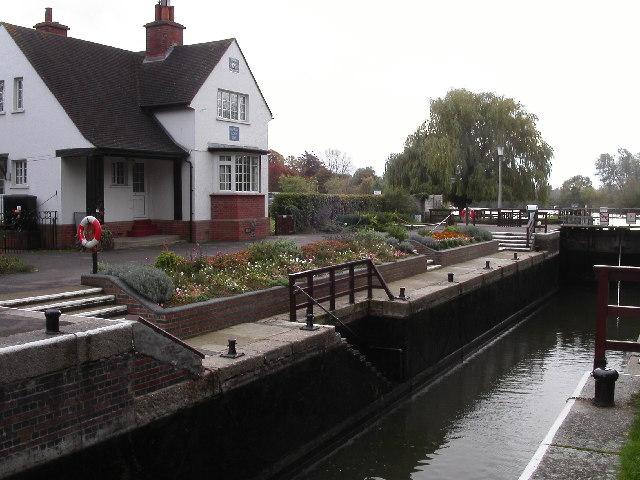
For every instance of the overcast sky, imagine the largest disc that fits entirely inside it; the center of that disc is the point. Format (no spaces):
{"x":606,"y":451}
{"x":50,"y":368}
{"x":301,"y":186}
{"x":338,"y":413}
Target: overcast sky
{"x":357,"y":75}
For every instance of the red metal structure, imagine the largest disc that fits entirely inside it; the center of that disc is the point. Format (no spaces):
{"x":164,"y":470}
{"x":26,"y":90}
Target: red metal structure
{"x":606,"y":274}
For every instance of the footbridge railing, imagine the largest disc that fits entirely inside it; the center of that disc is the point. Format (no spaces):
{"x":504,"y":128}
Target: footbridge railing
{"x":358,"y":276}
{"x":605,"y":275}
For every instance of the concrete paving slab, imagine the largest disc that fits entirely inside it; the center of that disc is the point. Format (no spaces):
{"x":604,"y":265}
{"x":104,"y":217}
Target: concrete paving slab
{"x":589,"y":439}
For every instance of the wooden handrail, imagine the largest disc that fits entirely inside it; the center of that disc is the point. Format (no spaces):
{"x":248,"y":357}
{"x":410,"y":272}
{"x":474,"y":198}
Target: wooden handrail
{"x":332,"y":283}
{"x":604,"y":275}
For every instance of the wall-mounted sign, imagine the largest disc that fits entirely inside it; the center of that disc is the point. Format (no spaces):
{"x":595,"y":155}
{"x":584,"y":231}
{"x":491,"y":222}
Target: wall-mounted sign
{"x":234,"y":134}
{"x":234,"y":65}
{"x":604,"y":216}
{"x":631,"y":217}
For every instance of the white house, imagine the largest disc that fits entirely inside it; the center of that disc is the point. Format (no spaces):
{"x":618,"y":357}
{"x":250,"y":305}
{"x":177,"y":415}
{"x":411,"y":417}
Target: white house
{"x":170,"y":140}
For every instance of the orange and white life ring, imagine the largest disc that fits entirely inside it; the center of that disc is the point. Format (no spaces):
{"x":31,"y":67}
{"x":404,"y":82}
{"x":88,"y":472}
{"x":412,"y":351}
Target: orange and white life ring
{"x":97,"y":232}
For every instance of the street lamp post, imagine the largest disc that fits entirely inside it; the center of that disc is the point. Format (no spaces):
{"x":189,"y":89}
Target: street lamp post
{"x":500,"y":155}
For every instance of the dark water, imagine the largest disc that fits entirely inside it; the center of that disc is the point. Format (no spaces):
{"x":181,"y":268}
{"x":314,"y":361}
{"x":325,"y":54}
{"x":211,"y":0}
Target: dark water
{"x":486,"y":418}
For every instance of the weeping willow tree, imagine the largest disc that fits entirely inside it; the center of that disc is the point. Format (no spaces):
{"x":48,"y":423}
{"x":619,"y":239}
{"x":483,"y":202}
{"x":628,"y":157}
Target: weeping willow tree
{"x":455,"y":151}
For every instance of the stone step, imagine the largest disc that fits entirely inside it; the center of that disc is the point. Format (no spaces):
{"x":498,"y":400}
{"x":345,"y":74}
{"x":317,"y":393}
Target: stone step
{"x":102,"y":312}
{"x":73,"y":304}
{"x":45,"y":298}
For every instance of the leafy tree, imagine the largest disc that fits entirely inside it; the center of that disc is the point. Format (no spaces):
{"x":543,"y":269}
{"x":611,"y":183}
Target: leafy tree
{"x":297,"y":184}
{"x":309,"y":164}
{"x":278,"y":168}
{"x":454,"y":152}
{"x":338,"y":184}
{"x":577,"y":190}
{"x":365,"y":181}
{"x":617,"y":174}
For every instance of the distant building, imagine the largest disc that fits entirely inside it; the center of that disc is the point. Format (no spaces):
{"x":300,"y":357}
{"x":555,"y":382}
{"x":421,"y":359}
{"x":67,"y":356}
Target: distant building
{"x":171,"y":140}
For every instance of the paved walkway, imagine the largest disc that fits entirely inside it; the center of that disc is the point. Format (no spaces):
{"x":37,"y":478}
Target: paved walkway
{"x":57,"y":269}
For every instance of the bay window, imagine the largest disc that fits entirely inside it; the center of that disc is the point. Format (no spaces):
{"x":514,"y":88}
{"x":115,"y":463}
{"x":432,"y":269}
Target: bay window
{"x":239,"y":173}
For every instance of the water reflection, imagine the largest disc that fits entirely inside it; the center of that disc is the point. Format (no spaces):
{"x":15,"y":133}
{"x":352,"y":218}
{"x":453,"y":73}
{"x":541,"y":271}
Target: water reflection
{"x":486,"y":418}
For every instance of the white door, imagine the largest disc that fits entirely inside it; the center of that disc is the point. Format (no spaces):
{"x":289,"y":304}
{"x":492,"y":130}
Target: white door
{"x":139,"y":191}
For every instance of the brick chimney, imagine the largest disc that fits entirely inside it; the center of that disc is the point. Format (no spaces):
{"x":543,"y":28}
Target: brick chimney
{"x":163,"y":33}
{"x":50,"y":26}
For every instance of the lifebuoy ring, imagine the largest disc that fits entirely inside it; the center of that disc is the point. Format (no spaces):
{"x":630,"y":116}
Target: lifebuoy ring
{"x":97,"y":232}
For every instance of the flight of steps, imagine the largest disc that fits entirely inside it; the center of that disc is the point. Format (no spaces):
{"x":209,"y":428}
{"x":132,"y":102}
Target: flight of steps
{"x":87,"y":302}
{"x":432,"y":266}
{"x":516,"y":242}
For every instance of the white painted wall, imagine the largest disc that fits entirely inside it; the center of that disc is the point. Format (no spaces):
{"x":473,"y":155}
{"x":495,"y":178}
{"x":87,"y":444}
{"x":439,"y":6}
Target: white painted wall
{"x":36,"y":133}
{"x":74,"y":185}
{"x":210,"y":129}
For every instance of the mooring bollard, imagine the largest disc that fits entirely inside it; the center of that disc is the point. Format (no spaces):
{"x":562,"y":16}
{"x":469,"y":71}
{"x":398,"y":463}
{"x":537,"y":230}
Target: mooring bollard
{"x":515,"y":255}
{"x":487,"y":265}
{"x":309,"y":326}
{"x":53,"y":320}
{"x":450,"y":277}
{"x":605,"y":386}
{"x":232,"y":350}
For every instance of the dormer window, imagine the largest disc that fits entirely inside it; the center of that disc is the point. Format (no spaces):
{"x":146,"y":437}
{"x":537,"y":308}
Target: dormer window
{"x":18,"y":94}
{"x":232,"y":106}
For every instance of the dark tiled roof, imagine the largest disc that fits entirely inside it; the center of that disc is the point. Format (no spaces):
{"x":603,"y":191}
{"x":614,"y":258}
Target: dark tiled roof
{"x":178,"y":78}
{"x":98,"y":88}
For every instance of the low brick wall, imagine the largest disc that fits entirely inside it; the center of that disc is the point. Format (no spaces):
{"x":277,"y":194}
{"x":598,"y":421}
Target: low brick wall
{"x":65,"y":392}
{"x":196,"y":319}
{"x":458,"y":254}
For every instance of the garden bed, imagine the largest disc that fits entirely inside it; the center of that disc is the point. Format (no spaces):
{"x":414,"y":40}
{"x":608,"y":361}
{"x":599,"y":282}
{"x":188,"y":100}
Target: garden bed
{"x":195,"y":319}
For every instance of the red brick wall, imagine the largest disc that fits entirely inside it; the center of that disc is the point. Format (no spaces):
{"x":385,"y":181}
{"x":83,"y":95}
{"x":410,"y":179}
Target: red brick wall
{"x":238,"y":217}
{"x":78,"y":403}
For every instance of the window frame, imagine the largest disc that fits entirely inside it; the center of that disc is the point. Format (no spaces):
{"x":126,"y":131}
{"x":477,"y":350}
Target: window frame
{"x":119,"y":179}
{"x":232,"y":106}
{"x":239,"y":173}
{"x":4,"y":170}
{"x":20,"y":177}
{"x":18,"y":94}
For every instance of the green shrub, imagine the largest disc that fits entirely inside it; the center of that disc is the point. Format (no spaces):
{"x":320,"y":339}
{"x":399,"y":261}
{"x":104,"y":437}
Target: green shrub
{"x":427,"y":241}
{"x":406,"y":247}
{"x":368,"y":237}
{"x":480,"y":234}
{"x":150,"y":282}
{"x":273,"y":250}
{"x":13,"y":265}
{"x":106,"y":240}
{"x":168,"y":261}
{"x":397,"y":231}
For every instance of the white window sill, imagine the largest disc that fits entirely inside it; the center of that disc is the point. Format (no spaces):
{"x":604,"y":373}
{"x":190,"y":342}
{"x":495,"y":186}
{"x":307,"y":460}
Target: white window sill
{"x":241,"y":122}
{"x":2,"y":112}
{"x":21,"y":186}
{"x":19,"y":110}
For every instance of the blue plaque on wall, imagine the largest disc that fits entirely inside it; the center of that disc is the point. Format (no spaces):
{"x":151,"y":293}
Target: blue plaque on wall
{"x":234,"y":134}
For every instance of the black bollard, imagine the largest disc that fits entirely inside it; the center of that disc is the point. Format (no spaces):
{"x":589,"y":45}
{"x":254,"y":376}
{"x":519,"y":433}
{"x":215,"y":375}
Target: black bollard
{"x":487,"y":265}
{"x":605,"y":386}
{"x":53,"y":320}
{"x":309,"y":326}
{"x":232,"y":350}
{"x":515,"y":255}
{"x":450,"y":277}
{"x":402,"y":295}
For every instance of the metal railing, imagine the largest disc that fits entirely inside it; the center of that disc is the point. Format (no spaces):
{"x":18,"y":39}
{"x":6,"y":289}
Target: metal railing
{"x":606,"y":274}
{"x":332,"y":287}
{"x":28,"y":231}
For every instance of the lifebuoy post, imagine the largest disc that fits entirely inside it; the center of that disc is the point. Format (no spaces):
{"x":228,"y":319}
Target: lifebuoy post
{"x":89,"y":235}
